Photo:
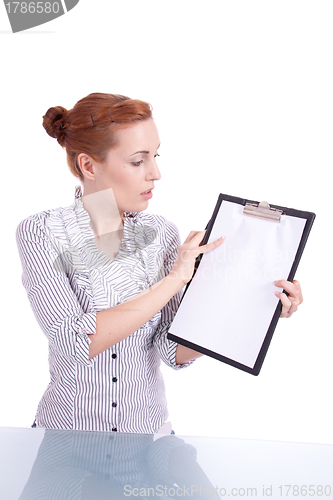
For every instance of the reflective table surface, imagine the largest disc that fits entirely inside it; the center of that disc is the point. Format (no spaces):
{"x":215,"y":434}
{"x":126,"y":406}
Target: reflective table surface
{"x":38,"y":464}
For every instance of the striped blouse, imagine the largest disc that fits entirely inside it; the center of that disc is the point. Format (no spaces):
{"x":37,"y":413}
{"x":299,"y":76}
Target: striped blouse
{"x":68,"y":280}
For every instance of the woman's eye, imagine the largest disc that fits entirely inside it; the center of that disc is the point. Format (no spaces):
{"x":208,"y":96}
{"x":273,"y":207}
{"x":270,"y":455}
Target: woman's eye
{"x":137,"y":163}
{"x":156,"y":155}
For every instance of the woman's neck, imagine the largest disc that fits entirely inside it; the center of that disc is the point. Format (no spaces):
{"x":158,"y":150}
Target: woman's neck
{"x":105,"y":216}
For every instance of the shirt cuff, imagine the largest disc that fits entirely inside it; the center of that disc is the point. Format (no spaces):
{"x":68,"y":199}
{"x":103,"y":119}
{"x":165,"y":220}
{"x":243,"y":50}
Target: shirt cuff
{"x":86,"y":325}
{"x":172,"y":354}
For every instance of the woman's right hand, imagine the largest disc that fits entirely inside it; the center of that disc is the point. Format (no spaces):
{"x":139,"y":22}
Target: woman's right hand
{"x":183,"y":267}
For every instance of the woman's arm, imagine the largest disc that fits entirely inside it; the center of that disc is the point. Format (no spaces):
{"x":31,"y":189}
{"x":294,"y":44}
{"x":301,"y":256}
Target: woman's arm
{"x":67,"y":326}
{"x":64,"y":319}
{"x":185,"y":354}
{"x":117,"y":323}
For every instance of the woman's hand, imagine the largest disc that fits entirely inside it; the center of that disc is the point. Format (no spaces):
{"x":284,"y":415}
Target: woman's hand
{"x":183,"y":267}
{"x":290,"y":302}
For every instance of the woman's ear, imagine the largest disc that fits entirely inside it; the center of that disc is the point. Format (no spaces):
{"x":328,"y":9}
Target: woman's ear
{"x":87,"y":166}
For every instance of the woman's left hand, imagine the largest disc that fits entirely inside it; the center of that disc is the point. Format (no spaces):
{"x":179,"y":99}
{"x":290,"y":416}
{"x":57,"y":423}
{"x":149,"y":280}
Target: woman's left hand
{"x":290,"y":302}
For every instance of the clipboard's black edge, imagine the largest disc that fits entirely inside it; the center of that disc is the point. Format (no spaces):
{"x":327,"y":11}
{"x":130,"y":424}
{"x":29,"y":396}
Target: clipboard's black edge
{"x":212,"y":354}
{"x":310,"y":218}
{"x":306,"y":232}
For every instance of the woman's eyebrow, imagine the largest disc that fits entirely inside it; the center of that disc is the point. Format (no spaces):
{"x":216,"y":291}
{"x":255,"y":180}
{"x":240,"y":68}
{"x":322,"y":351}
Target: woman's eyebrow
{"x":144,"y":152}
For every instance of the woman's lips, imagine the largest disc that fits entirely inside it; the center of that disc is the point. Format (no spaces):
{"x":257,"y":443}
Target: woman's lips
{"x":147,"y":194}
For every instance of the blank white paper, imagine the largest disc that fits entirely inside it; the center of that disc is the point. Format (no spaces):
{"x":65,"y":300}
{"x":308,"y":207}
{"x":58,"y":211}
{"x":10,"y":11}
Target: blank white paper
{"x":230,"y":302}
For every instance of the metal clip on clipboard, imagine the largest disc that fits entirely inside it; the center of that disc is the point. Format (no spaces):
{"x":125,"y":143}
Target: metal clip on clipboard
{"x":263,"y":211}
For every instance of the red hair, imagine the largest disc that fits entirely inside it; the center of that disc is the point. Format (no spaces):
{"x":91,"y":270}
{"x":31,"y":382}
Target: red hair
{"x":91,"y":126}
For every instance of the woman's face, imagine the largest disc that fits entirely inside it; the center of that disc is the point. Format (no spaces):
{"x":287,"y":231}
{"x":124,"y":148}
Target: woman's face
{"x":130,"y":168}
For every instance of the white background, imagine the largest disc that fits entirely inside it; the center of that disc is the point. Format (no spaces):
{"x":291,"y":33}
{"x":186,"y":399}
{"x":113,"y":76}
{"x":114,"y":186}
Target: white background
{"x":242,"y":97}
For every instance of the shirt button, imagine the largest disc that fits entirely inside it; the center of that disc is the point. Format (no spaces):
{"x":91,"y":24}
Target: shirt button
{"x":114,"y":356}
{"x":114,"y":429}
{"x":114,"y":379}
{"x":114,"y":405}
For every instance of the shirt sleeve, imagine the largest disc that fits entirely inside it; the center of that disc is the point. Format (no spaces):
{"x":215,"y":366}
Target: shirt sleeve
{"x":166,"y":347}
{"x":53,"y":301}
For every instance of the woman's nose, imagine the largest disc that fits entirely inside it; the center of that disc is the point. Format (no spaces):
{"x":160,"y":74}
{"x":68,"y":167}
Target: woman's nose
{"x":154,"y":171}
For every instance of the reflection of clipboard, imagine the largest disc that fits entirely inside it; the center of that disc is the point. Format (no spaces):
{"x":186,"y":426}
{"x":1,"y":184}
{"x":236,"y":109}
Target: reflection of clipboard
{"x":229,"y":310}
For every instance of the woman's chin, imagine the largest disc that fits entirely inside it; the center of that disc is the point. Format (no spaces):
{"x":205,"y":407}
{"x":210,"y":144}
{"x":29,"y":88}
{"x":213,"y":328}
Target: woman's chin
{"x":138,"y":207}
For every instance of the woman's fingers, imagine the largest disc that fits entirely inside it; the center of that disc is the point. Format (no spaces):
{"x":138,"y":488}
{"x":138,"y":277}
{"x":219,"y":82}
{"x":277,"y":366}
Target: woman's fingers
{"x":195,"y":238}
{"x":193,"y":234}
{"x":183,"y":267}
{"x":288,"y":308}
{"x":291,"y":301}
{"x":210,"y":246}
{"x":294,"y":288}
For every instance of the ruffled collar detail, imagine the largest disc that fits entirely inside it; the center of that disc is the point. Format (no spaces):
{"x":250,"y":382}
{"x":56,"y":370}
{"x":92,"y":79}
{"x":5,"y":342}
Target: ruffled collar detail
{"x":137,"y":237}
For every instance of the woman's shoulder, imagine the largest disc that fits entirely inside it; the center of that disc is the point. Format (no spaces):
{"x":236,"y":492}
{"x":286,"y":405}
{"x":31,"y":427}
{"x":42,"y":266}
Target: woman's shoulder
{"x":37,"y":222}
{"x":55,"y":218}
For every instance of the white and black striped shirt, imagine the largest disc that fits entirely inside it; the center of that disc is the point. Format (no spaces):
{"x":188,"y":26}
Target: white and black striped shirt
{"x":68,"y":280}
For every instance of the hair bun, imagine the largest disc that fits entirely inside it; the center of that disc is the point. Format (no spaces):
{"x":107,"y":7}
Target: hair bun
{"x":55,"y":123}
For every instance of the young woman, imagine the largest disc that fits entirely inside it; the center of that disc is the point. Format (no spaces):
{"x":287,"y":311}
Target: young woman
{"x":104,"y":278}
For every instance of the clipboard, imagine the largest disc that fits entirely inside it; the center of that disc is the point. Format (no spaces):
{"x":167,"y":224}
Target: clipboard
{"x":229,"y":310}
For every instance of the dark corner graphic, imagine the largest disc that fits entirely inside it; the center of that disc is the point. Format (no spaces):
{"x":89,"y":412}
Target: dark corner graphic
{"x":25,"y":15}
